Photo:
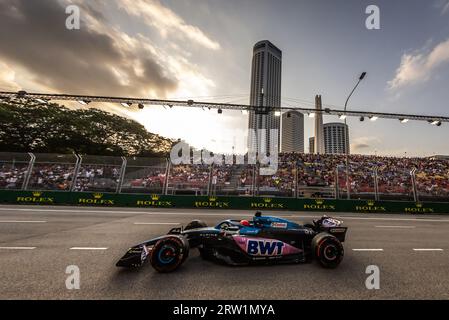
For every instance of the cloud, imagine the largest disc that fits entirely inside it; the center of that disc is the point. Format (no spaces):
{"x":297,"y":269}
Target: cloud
{"x":442,"y":5}
{"x":95,"y":59}
{"x":363,"y":143}
{"x":166,"y":21}
{"x":418,"y":67}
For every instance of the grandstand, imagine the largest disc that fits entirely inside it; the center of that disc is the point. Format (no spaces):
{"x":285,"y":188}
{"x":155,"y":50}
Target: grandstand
{"x":298,"y":176}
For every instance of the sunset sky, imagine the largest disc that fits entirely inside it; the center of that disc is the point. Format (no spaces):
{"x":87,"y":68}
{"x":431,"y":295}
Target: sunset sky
{"x":201,"y":49}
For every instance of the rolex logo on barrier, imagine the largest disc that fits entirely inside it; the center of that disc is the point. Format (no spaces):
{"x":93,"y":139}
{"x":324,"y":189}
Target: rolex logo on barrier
{"x":35,"y":197}
{"x":320,"y":204}
{"x":370,"y":207}
{"x":213,"y":202}
{"x":154,"y":201}
{"x":267,"y":203}
{"x":419,"y":208}
{"x":96,"y":199}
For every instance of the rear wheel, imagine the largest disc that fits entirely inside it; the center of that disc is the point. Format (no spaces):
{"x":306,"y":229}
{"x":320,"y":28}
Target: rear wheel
{"x":327,"y":249}
{"x":169,"y":253}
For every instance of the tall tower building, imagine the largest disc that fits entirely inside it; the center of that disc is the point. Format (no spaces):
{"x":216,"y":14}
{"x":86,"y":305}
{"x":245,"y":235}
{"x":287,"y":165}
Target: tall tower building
{"x":266,"y":74}
{"x":292,"y":132}
{"x":312,"y":145}
{"x":336,"y":138}
{"x":319,"y":132}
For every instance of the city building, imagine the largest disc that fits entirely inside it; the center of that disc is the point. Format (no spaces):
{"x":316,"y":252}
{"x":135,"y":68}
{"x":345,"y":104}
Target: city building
{"x":292,"y":132}
{"x":319,"y":132}
{"x":265,"y":91}
{"x":312,"y":145}
{"x":336,"y":138}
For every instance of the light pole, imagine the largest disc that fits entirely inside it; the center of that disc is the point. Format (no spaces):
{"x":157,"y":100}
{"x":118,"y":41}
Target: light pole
{"x":362,"y":76}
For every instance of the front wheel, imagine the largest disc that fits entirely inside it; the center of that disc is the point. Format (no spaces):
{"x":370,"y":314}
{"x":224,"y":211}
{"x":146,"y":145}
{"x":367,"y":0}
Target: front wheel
{"x":327,"y":249}
{"x":169,"y":253}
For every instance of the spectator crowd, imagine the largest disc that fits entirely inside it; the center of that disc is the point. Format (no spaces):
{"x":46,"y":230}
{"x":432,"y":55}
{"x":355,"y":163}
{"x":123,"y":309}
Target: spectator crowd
{"x":295,"y":171}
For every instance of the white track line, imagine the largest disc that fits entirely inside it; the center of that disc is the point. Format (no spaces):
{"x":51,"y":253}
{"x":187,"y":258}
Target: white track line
{"x":367,"y":249}
{"x":18,"y":221}
{"x":428,"y":249}
{"x":88,"y":248}
{"x":31,"y":210}
{"x":156,"y":223}
{"x":400,"y":227}
{"x":17,"y":248}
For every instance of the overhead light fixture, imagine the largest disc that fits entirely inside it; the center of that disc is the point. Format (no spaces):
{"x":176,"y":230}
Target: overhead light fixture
{"x":362,"y":118}
{"x":277,"y":113}
{"x":41,"y":100}
{"x":126,"y":104}
{"x":83,"y":102}
{"x":220,"y":111}
{"x":141,"y":106}
{"x":342,"y":117}
{"x":373,"y":118}
{"x":436,"y":123}
{"x":311,"y":114}
{"x":403,"y":120}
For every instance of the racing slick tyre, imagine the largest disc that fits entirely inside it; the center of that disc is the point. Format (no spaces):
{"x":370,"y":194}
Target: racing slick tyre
{"x":327,"y":249}
{"x":195,"y":224}
{"x":169,"y":253}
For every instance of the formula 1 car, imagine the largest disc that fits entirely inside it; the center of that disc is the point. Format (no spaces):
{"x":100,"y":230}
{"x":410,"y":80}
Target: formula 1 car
{"x":265,"y":239}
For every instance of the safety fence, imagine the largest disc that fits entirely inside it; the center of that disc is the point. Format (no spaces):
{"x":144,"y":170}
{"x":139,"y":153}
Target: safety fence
{"x":298,"y":176}
{"x":223,"y":202}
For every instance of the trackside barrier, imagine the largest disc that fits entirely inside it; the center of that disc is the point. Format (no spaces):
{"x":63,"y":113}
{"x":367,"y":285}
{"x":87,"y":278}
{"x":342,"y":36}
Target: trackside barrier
{"x":243,"y":203}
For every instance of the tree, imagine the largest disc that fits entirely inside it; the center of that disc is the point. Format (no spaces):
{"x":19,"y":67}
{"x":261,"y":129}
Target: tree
{"x":28,"y":126}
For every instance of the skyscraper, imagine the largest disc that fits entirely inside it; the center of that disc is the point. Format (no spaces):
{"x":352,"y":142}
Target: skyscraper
{"x":265,"y":92}
{"x":292,"y":132}
{"x":319,"y":132}
{"x":312,"y":145}
{"x":336,"y":138}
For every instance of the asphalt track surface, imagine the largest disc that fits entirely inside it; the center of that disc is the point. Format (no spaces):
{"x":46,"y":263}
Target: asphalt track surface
{"x":37,"y":243}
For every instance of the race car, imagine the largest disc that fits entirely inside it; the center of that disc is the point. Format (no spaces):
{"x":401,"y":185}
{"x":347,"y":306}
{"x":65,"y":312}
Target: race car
{"x":263,"y":240}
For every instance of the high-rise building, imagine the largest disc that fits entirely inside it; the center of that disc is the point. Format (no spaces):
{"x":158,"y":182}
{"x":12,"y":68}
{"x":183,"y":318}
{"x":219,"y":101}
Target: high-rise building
{"x":292,"y":132}
{"x":336,"y":138}
{"x":319,"y":133}
{"x":312,"y":145}
{"x":265,"y":92}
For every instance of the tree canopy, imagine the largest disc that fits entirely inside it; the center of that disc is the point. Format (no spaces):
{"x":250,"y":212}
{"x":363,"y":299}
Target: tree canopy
{"x":27,"y":126}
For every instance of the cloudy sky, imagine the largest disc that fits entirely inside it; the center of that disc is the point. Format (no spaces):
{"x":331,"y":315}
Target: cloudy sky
{"x":201,"y":49}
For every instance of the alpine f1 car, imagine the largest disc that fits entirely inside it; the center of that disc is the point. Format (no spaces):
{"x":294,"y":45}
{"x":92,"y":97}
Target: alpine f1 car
{"x":265,"y":239}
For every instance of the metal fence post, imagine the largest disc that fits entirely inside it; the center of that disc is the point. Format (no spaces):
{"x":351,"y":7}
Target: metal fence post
{"x":415,"y":190}
{"x":122,"y":175}
{"x":79,"y":160}
{"x":26,"y":181}
{"x":167,"y":174}
{"x":337,"y":188}
{"x":376,"y":184}
{"x":296,"y":182}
